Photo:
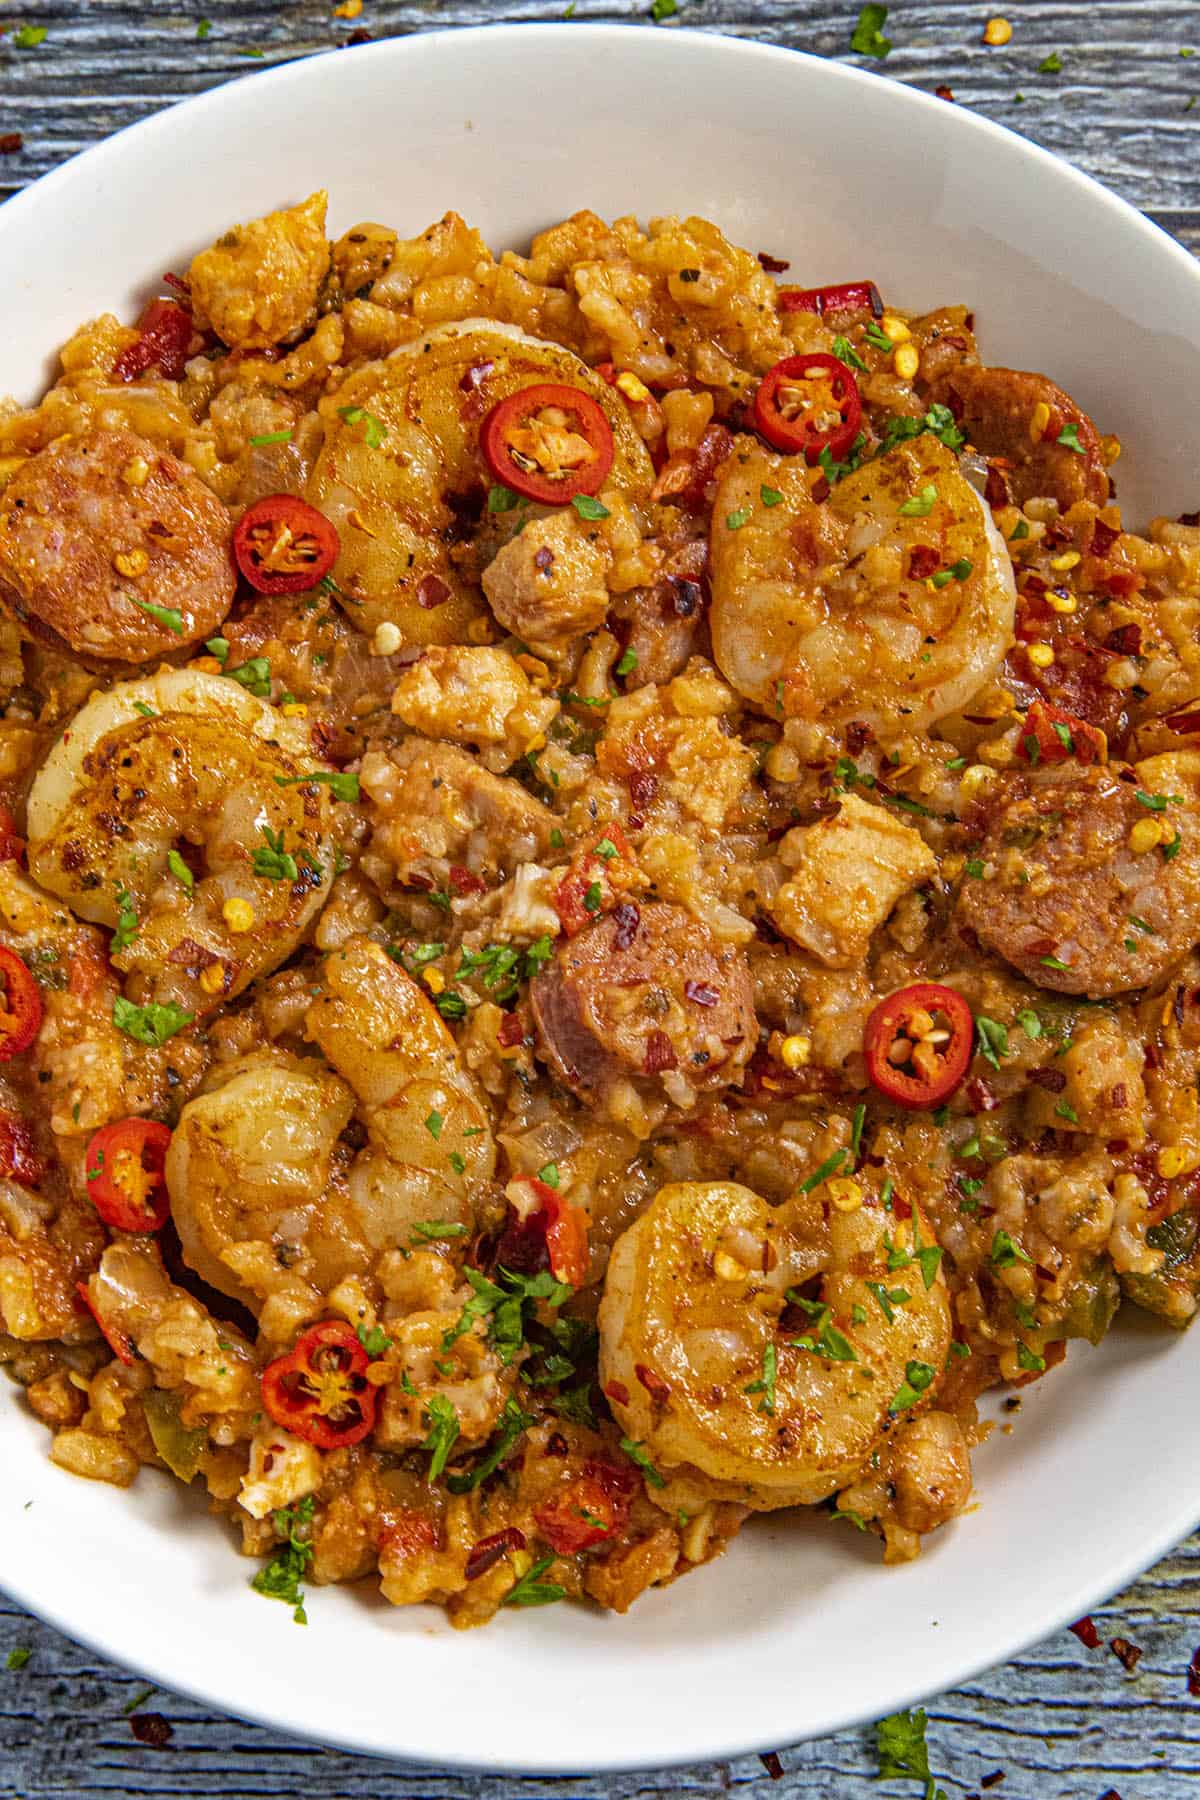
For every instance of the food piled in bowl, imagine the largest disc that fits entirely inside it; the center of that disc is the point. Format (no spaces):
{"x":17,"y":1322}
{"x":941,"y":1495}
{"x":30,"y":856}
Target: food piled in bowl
{"x":599,"y":889}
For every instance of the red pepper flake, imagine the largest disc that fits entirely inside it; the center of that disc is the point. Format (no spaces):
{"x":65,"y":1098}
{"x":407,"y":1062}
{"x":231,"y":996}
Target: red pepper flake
{"x":770,"y":1758}
{"x":487,"y":1552}
{"x":616,"y":1390}
{"x":701,"y":993}
{"x":1126,"y":640}
{"x":654,"y":1384}
{"x":626,"y":917}
{"x":660,"y":1054}
{"x":1110,"y":1794}
{"x":1128,"y":1654}
{"x":992,"y":1780}
{"x":1193,"y":1675}
{"x":923,"y":561}
{"x":1053,"y":1080}
{"x":543,"y":559}
{"x":361,"y":36}
{"x":944,"y":93}
{"x":820,"y":490}
{"x":464,"y":882}
{"x":772,"y":265}
{"x":643,"y":785}
{"x":152,"y":1729}
{"x":510,"y":1031}
{"x":1102,"y":539}
{"x":10,"y":142}
{"x":432,"y":591}
{"x":475,"y":376}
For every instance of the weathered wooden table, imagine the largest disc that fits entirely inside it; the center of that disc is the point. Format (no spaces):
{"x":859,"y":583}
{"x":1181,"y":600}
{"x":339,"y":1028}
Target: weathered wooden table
{"x":1062,"y":1722}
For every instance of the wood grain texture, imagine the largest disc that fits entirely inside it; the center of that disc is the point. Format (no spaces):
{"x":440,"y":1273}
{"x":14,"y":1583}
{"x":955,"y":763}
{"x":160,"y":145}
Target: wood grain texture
{"x":1062,"y":1722}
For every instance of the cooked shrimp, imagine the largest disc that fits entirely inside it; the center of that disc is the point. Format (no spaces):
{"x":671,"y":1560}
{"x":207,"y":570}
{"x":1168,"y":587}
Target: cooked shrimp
{"x":112,"y":548}
{"x":259,"y":1177}
{"x":851,"y":608}
{"x":730,"y":1384}
{"x":401,"y":467}
{"x":175,"y":811}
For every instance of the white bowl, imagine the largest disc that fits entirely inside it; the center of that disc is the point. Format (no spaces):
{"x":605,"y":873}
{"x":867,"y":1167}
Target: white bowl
{"x":797,"y":1631}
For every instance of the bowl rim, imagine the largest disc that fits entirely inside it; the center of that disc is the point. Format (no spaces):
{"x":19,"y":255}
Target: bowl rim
{"x":722,"y":1742}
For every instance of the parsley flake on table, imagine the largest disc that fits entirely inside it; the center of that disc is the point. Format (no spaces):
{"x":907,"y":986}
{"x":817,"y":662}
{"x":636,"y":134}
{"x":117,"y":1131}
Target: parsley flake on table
{"x":867,"y":37}
{"x":1051,"y":65}
{"x":29,"y":37}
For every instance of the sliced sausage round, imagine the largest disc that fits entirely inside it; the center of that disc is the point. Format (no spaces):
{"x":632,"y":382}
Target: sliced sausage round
{"x":645,"y":995}
{"x":114,"y":549}
{"x":996,"y":410}
{"x":1066,"y":898}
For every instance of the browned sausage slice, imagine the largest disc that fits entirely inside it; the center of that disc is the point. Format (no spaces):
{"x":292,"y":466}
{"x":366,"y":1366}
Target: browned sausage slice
{"x":646,"y":996}
{"x":1068,"y":900}
{"x":114,"y":549}
{"x":996,"y":408}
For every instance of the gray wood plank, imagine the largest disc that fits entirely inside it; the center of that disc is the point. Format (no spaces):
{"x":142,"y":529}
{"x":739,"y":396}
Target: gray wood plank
{"x":1062,"y":1722}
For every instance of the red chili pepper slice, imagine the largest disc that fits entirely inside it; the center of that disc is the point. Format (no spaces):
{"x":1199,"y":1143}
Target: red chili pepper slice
{"x":282,"y":545}
{"x":12,"y":844}
{"x":20,"y":1006}
{"x":319,"y":1390}
{"x":167,"y":334}
{"x":564,"y":1228}
{"x":848,"y":297}
{"x":1051,"y":735}
{"x":918,"y":1044}
{"x":586,"y":1510}
{"x":549,"y":442}
{"x":124,"y":1174}
{"x":809,"y":404}
{"x":117,"y":1341}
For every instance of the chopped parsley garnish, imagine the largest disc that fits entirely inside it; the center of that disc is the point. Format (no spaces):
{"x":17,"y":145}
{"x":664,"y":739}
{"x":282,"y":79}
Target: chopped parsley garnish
{"x":271,"y":860}
{"x":991,"y":1039}
{"x":845,"y":352}
{"x":442,"y":1420}
{"x":1068,"y":437}
{"x":1053,"y":962}
{"x":218,"y":647}
{"x":254,"y":676}
{"x":506,"y":1304}
{"x":549,"y":1174}
{"x":1157,"y":802}
{"x":152,"y":1024}
{"x":1006,"y":1252}
{"x":437,"y":1231}
{"x":856,"y":1129}
{"x":765,"y":1384}
{"x":375,"y":431}
{"x":956,"y":572}
{"x":1064,"y":1110}
{"x":663,"y":9}
{"x":271,"y":437}
{"x":500,"y":499}
{"x":457,"y":1162}
{"x":588,"y":508}
{"x":975,"y":868}
{"x":1029,"y":1359}
{"x":879,"y":338}
{"x":735,"y":520}
{"x":888,"y":1298}
{"x":146,"y":712}
{"x":512,"y":1423}
{"x":170,"y":616}
{"x":938,"y":419}
{"x":637,"y":1453}
{"x":127,"y":920}
{"x":1030,"y":1024}
{"x":180,"y":871}
{"x":342,"y":786}
{"x":1020,"y":530}
{"x":769,"y":496}
{"x":374,"y":1341}
{"x":851,"y":1517}
{"x":921,"y":505}
{"x":825,"y":1339}
{"x":928,"y":1257}
{"x":531,"y":1590}
{"x":918,"y":1376}
{"x":627,"y":663}
{"x":592,"y":897}
{"x":282,"y":1578}
{"x":433,"y":1124}
{"x":829,"y":1167}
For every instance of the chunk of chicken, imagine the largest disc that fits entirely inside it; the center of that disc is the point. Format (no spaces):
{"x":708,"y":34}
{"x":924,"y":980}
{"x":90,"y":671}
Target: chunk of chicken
{"x":847,"y":873}
{"x":474,"y":695}
{"x":258,"y":284}
{"x":547,"y":585}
